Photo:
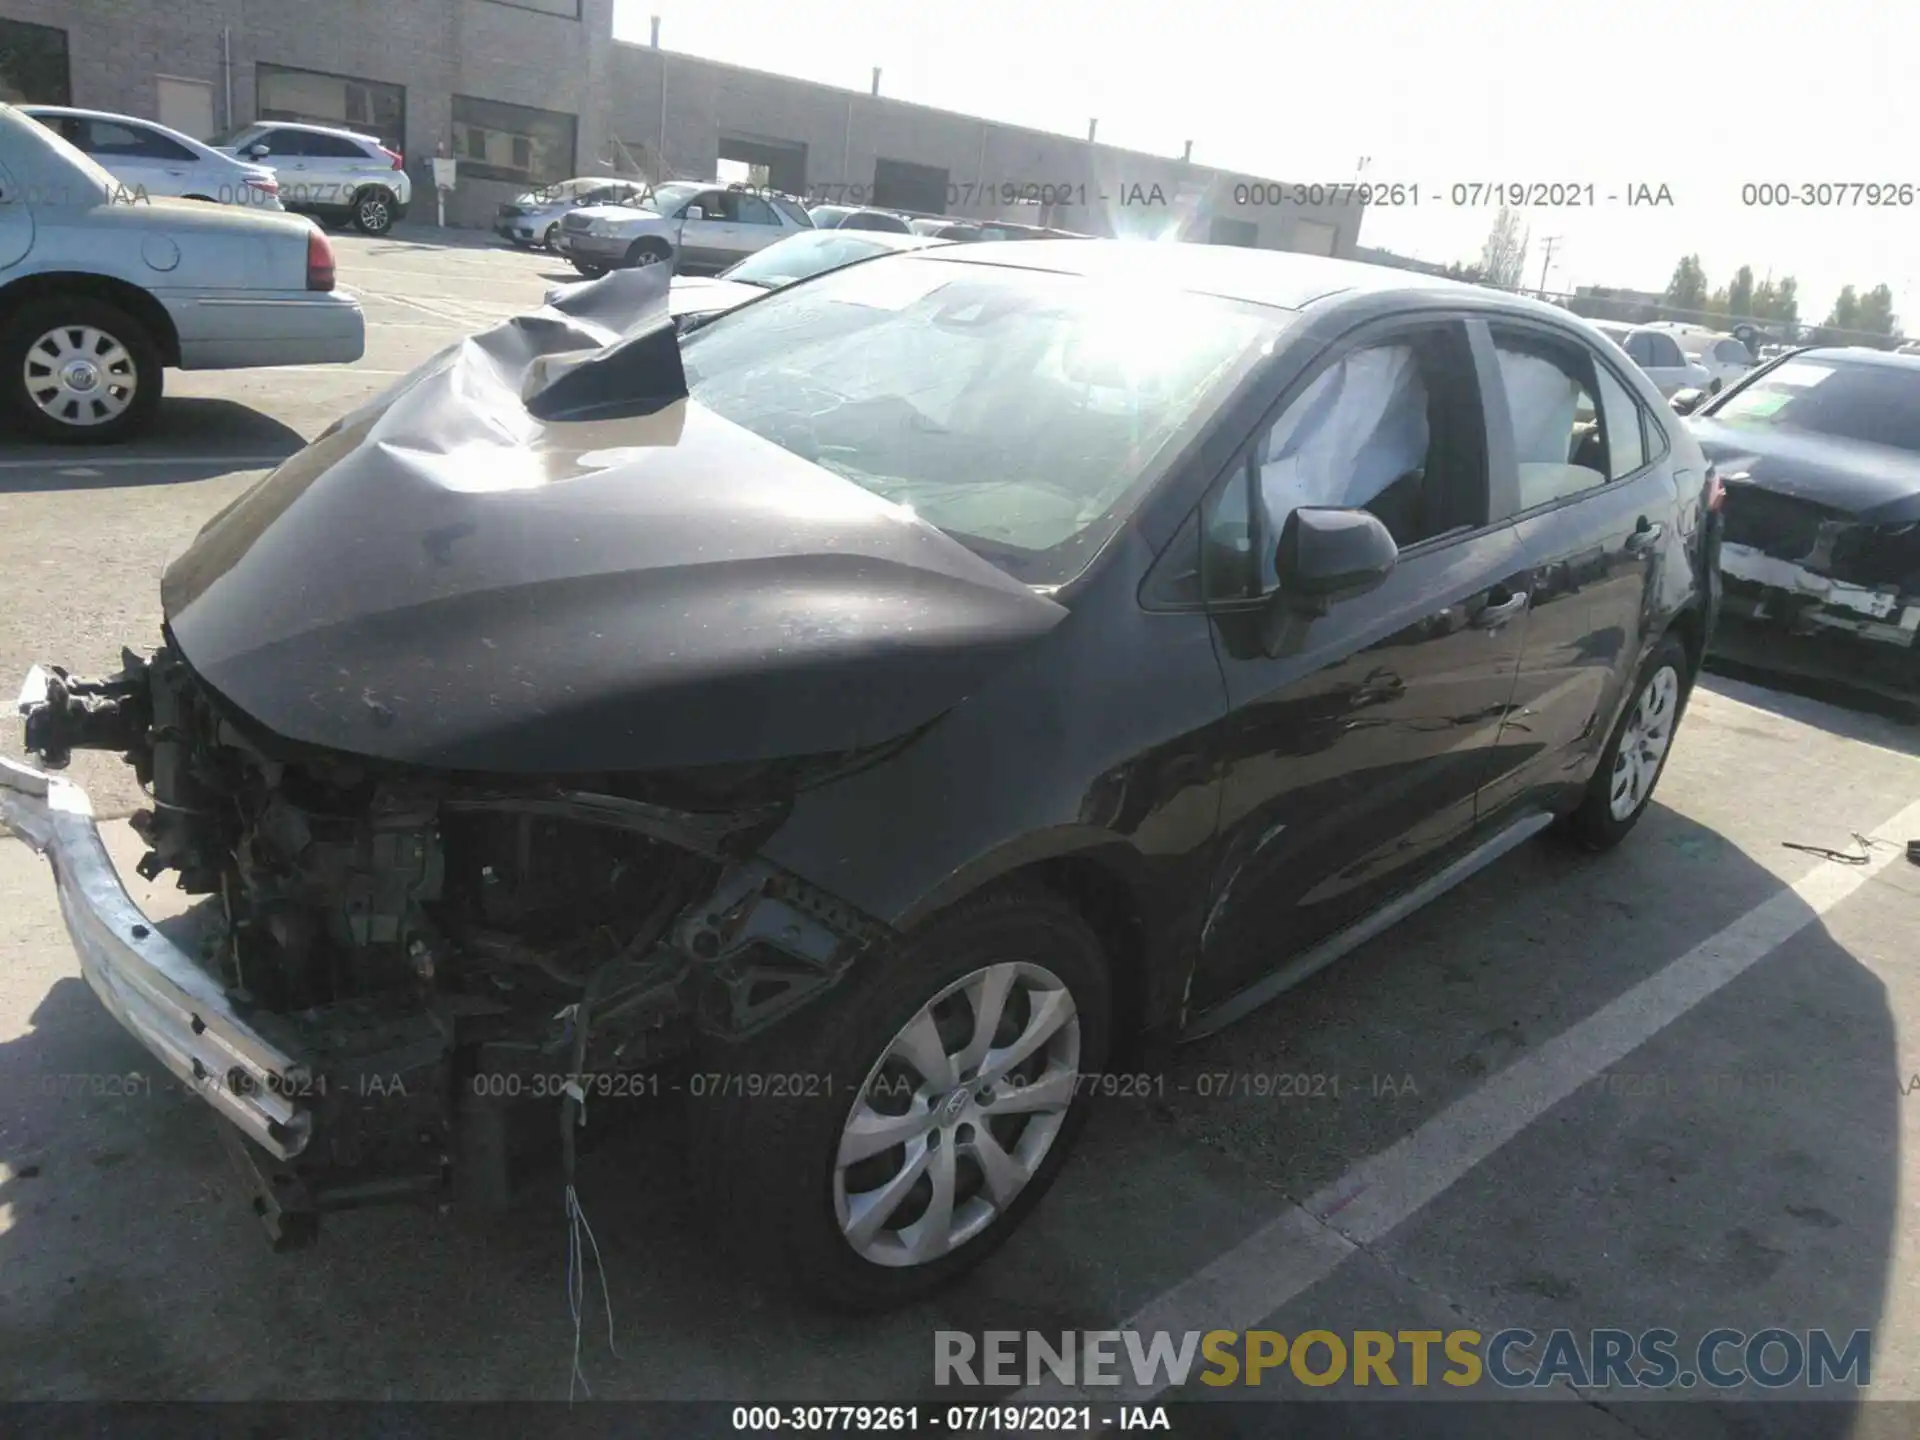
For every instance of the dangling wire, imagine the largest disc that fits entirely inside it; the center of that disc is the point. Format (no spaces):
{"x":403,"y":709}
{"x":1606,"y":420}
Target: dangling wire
{"x":573,"y":1113}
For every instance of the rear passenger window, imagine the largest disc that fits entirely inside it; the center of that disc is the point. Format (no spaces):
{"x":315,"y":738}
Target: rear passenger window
{"x":1621,"y":422}
{"x":1558,"y":445}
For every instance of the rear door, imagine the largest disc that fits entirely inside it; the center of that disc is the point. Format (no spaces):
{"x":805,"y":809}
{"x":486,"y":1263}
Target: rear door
{"x":1593,"y":497}
{"x":339,"y":167}
{"x":1356,"y":741}
{"x":756,"y":223}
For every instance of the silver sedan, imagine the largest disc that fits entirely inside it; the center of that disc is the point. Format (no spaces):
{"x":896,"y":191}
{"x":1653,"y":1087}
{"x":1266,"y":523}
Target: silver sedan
{"x":99,"y":291}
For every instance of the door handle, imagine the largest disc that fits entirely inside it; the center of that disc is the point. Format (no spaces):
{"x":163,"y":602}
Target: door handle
{"x":1645,"y":535}
{"x":1494,"y":614}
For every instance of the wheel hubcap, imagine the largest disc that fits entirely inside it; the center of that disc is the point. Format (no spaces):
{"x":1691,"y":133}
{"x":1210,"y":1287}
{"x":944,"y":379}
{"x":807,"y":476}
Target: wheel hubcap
{"x":79,"y":375}
{"x":958,"y":1114}
{"x":1643,"y":745}
{"x":373,"y":214}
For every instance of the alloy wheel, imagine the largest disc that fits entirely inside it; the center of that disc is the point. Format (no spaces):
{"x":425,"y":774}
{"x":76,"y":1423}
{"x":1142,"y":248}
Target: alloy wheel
{"x":1643,"y":744}
{"x":957,"y":1115}
{"x":374,"y":216}
{"x":80,"y":376}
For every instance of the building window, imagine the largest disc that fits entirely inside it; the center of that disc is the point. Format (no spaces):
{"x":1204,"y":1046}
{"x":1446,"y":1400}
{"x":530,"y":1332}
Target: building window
{"x":33,"y":64}
{"x":371,"y":107}
{"x":515,"y":143}
{"x":1227,"y":231}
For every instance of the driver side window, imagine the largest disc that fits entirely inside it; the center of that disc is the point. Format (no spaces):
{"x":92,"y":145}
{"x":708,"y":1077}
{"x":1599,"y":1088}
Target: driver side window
{"x":1393,"y":428}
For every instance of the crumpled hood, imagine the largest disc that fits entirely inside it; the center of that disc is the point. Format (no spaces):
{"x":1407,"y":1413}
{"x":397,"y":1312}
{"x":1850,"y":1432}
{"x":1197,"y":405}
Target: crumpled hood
{"x":457,"y":576}
{"x":1872,"y":483}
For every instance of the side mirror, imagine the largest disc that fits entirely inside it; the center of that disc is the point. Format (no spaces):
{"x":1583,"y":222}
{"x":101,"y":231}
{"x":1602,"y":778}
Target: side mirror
{"x":259,"y":150}
{"x":695,"y":212}
{"x":1326,"y":555}
{"x":1685,"y":402}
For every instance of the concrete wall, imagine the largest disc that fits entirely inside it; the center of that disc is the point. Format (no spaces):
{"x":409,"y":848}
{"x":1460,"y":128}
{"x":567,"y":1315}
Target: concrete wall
{"x":435,"y":48}
{"x":1108,"y":190}
{"x":524,"y":56}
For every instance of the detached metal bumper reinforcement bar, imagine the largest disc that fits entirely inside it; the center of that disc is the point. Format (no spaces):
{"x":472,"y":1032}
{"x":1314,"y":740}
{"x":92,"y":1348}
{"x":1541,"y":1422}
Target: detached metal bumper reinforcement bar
{"x":149,"y":984}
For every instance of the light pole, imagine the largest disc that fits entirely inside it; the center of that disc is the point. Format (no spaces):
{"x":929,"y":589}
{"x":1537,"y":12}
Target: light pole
{"x":1546,"y":261}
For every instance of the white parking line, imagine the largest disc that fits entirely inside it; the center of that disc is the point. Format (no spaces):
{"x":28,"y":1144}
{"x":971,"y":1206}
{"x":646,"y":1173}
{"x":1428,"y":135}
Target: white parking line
{"x":119,"y":462}
{"x":1305,"y":1244}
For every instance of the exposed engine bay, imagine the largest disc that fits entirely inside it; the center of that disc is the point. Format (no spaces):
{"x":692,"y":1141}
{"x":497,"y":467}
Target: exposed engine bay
{"x":452,"y":957}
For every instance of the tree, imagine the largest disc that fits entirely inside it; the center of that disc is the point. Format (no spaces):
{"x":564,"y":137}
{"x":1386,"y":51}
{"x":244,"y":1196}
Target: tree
{"x":1740,"y":293}
{"x":1472,"y":273}
{"x":1504,"y":257}
{"x":1876,"y":312}
{"x":1687,"y":290}
{"x":1778,"y":304}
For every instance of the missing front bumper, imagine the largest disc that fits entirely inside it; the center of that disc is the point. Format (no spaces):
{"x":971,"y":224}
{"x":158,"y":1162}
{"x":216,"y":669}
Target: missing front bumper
{"x":1877,"y":613}
{"x":149,"y":984}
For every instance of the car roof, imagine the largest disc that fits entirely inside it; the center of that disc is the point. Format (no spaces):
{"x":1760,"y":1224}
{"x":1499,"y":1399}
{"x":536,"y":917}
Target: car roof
{"x":889,"y":239}
{"x":1283,"y":279}
{"x":315,"y":129}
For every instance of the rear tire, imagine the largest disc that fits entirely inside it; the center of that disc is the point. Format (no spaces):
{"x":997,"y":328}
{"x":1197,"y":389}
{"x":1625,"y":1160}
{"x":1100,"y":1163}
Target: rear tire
{"x":552,"y":233}
{"x":1636,"y":754}
{"x":373,"y":210}
{"x":588,"y":268}
{"x":783,"y":1185}
{"x":78,"y":371}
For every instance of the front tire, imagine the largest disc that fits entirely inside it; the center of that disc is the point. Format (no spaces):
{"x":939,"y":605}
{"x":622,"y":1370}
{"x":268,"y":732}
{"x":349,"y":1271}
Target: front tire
{"x":1636,"y":754}
{"x":79,"y":371}
{"x":938,"y":1095}
{"x":552,"y":234}
{"x":649,"y":251}
{"x":373,"y":211}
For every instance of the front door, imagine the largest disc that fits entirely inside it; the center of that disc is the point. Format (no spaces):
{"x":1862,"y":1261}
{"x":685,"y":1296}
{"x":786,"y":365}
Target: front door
{"x":1356,"y":741}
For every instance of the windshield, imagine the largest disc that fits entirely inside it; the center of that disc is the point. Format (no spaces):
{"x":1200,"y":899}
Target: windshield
{"x":1022,"y":412}
{"x":799,"y":256}
{"x":237,"y":135}
{"x":568,"y":189}
{"x":1818,"y":395}
{"x":667,"y":199}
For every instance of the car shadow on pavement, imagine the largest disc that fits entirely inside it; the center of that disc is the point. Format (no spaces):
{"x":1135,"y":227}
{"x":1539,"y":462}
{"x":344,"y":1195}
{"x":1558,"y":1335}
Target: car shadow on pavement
{"x":191,"y":438}
{"x":1829,"y":706}
{"x":133,"y":1270}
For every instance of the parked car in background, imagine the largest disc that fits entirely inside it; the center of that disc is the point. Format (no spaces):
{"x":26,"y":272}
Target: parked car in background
{"x":149,"y":158}
{"x":688,"y":225}
{"x":945,"y":227}
{"x":857,"y":217}
{"x":533,"y":220}
{"x":1724,"y":358}
{"x":729,"y":760}
{"x":337,"y":176}
{"x":697,"y":299}
{"x":1819,"y":452}
{"x":102,"y":294}
{"x":1658,"y":354}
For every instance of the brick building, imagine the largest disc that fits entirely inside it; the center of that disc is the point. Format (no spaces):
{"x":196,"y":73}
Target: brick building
{"x":527,"y":92}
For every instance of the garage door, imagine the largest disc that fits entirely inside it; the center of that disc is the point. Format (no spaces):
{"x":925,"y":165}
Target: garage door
{"x":186,"y":105}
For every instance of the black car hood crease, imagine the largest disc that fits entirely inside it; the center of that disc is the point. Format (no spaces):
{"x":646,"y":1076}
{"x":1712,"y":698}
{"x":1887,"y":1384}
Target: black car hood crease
{"x":1872,"y":483}
{"x":456,"y":576}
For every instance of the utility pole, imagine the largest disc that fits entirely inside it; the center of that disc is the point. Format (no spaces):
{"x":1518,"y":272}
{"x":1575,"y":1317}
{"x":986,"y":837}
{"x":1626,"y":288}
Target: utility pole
{"x":1549,"y":241}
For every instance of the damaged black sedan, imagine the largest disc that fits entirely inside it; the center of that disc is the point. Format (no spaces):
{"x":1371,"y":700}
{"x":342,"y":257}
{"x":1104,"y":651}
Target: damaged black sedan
{"x":1820,"y":455}
{"x":875,"y":710}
